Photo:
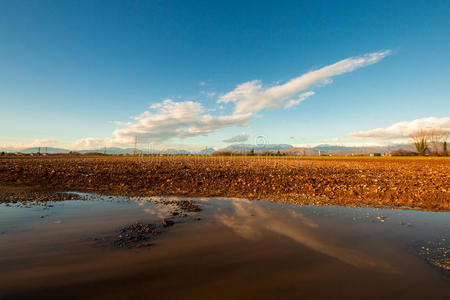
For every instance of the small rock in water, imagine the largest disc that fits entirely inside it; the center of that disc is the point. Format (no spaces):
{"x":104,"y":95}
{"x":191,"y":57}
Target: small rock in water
{"x":167,"y":223}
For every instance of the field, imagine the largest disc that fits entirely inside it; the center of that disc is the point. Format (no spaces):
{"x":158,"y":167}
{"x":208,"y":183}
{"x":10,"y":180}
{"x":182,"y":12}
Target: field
{"x":393,"y":182}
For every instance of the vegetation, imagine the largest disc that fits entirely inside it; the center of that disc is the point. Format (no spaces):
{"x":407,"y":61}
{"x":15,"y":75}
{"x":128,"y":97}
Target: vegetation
{"x":435,"y":137}
{"x":402,"y":152}
{"x":420,"y":141}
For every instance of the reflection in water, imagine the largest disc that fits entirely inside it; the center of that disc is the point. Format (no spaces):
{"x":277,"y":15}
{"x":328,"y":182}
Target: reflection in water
{"x":238,"y":249}
{"x":250,"y":221}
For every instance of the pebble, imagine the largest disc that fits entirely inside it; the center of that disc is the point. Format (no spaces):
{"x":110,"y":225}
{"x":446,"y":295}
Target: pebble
{"x":167,"y":223}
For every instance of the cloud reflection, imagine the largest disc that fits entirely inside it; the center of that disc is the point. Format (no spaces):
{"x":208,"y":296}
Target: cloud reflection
{"x":252,"y":221}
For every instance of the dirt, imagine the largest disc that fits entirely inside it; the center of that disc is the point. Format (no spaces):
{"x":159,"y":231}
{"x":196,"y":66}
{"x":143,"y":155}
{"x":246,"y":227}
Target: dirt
{"x":13,"y":194}
{"x":137,"y":235}
{"x":421,"y":183}
{"x":141,"y":235}
{"x":437,"y":253}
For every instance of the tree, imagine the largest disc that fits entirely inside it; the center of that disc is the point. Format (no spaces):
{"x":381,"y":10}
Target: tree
{"x":444,"y":151}
{"x":444,"y":143}
{"x":420,"y":141}
{"x":435,"y":136}
{"x":438,"y":141}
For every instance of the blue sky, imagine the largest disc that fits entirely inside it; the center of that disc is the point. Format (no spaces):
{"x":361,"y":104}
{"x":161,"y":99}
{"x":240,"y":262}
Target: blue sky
{"x":70,"y":70}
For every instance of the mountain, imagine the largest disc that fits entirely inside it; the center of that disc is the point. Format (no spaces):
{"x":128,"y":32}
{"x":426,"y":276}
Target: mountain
{"x":49,"y":150}
{"x":322,"y":149}
{"x":235,"y":148}
{"x":175,"y":151}
{"x":110,"y":150}
{"x":121,"y":151}
{"x":207,"y":151}
{"x":257,"y":148}
{"x":336,"y":149}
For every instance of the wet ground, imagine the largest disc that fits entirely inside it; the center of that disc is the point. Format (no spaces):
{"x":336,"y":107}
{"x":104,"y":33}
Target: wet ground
{"x":420,"y":182}
{"x":117,"y":247}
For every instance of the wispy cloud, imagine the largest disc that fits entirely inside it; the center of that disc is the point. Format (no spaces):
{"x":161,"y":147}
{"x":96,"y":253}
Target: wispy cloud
{"x":301,"y":98}
{"x":402,"y":130}
{"x":253,"y":97}
{"x":182,"y":119}
{"x":168,"y":119}
{"x":237,"y":139}
{"x":252,"y":222}
{"x":208,"y":94}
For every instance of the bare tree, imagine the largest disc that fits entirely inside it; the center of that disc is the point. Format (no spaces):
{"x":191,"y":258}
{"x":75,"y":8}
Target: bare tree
{"x":438,"y":141}
{"x":435,"y":140}
{"x":420,"y":141}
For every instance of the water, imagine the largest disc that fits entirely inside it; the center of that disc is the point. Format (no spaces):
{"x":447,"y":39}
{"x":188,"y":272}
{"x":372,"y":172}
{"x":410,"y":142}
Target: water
{"x":238,"y":249}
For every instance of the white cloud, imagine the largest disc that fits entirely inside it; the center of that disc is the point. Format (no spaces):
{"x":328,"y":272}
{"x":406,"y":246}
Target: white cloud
{"x":92,"y":143}
{"x":170,"y":119}
{"x":208,"y":94}
{"x":238,"y":138}
{"x":302,"y":97}
{"x":44,"y":143}
{"x":252,"y":222}
{"x":35,"y":143}
{"x":164,"y":121}
{"x":402,"y":130}
{"x":252,"y":96}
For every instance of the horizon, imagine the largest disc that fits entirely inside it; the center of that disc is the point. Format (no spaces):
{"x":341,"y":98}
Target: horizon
{"x":234,"y":147}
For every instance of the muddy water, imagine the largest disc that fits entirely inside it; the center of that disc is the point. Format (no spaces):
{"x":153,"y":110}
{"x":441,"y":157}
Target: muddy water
{"x":233,"y":248}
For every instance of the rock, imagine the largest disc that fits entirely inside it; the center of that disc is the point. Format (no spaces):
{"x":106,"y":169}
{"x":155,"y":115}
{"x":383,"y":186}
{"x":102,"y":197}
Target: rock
{"x":167,"y":223}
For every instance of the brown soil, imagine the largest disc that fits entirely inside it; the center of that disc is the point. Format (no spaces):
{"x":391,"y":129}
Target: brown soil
{"x":413,"y":182}
{"x":14,"y":194}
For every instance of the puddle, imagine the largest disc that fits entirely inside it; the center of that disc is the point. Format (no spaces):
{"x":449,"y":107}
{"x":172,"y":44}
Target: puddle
{"x":220,"y":248}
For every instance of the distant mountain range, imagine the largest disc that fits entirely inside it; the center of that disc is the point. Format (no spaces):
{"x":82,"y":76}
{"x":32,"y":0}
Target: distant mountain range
{"x":335,"y":149}
{"x":111,"y":150}
{"x":235,"y":148}
{"x":174,"y":151}
{"x":50,"y":150}
{"x":319,"y":149}
{"x":257,"y":148}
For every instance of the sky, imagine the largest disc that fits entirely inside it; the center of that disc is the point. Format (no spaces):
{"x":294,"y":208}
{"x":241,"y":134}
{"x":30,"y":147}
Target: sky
{"x":196,"y":74}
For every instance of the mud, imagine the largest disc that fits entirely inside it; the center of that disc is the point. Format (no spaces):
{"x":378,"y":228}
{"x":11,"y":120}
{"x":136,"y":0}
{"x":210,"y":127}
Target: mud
{"x":421,"y":183}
